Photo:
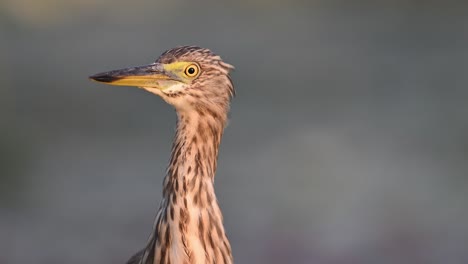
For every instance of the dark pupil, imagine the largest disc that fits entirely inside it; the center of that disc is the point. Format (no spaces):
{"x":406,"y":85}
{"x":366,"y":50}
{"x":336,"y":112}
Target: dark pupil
{"x":191,"y":70}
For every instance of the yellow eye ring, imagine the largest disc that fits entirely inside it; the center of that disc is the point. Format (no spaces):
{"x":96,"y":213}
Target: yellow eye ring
{"x":192,"y":70}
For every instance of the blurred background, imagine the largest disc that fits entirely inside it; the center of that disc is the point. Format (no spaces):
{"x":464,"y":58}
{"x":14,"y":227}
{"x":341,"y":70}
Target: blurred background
{"x":347,"y":142}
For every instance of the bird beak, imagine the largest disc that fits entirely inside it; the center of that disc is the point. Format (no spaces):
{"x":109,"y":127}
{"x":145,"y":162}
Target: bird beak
{"x":152,"y":75}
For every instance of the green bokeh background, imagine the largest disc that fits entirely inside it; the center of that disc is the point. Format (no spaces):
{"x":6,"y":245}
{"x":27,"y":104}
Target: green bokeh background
{"x":347,"y":140}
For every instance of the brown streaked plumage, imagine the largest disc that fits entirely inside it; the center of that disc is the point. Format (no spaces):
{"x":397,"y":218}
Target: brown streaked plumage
{"x":188,"y":228}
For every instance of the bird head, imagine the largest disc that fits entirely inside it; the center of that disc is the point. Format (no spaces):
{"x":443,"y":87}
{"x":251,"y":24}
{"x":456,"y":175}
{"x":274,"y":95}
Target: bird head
{"x":189,"y":78}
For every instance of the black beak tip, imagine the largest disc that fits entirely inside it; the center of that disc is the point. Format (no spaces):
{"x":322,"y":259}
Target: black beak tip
{"x":103,"y":78}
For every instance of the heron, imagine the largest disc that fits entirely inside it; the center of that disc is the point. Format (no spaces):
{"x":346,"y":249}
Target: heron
{"x":188,"y":227}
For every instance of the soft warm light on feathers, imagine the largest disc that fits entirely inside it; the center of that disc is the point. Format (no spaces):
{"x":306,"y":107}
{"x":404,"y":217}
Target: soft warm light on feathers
{"x":188,"y":228}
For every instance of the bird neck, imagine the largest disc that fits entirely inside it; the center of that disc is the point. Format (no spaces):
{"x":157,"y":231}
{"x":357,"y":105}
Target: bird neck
{"x":190,"y":219}
{"x":195,"y":149}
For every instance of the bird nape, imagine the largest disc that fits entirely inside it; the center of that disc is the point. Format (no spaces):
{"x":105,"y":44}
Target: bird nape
{"x":189,"y":225}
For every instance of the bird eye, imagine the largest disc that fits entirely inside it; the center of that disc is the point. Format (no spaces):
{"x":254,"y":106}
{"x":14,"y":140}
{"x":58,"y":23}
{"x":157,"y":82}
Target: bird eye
{"x":192,"y":70}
